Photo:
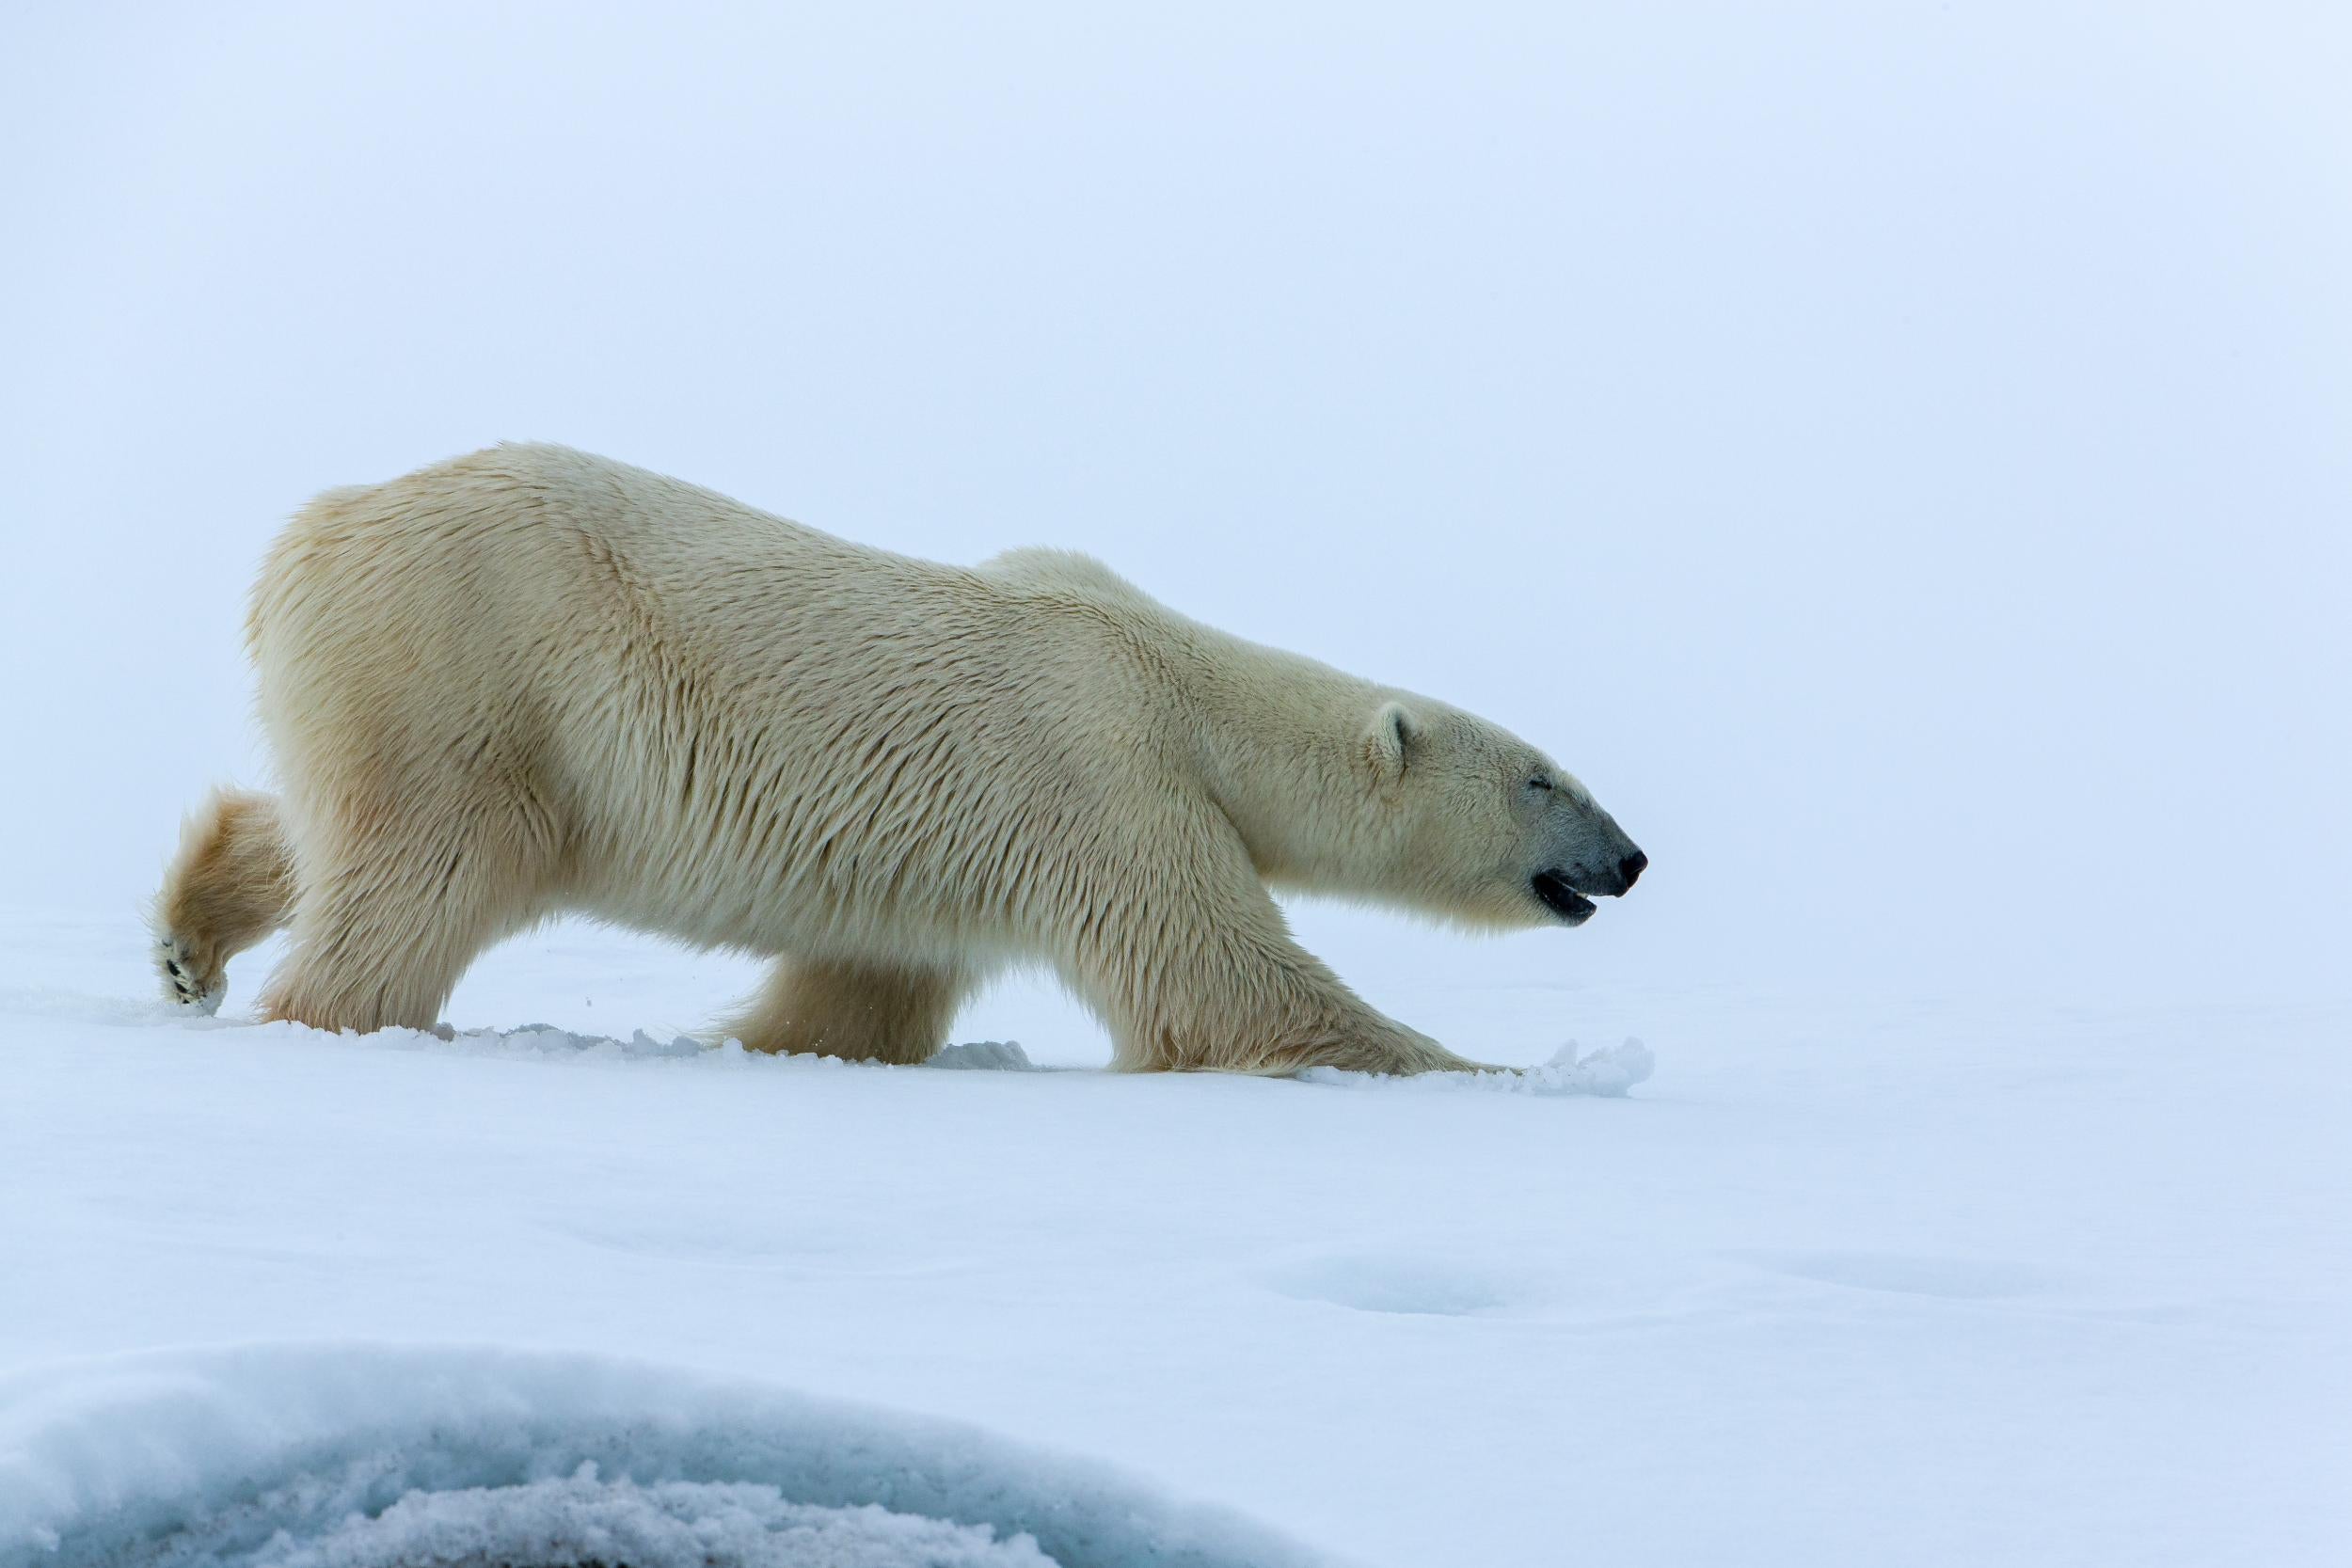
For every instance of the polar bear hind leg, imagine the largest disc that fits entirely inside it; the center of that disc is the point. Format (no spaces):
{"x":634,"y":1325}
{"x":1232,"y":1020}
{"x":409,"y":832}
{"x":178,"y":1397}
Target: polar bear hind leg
{"x":231,"y":884}
{"x":864,"y":1012}
{"x":400,"y":890}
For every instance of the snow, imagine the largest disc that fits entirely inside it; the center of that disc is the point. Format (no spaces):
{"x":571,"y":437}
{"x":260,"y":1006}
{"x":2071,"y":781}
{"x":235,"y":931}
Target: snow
{"x":360,"y":1456}
{"x":1612,"y":1071}
{"x":1851,"y":1277}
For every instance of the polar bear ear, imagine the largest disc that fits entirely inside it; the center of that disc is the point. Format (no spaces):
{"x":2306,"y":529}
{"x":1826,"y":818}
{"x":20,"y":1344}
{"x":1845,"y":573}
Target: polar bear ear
{"x":1390,"y":741}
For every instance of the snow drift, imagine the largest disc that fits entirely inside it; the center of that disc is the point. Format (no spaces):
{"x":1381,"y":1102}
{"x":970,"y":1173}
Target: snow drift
{"x":371,"y":1456}
{"x":1608,"y":1072}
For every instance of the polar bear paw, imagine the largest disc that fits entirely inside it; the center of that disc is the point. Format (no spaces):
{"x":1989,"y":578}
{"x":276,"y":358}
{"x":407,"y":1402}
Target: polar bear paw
{"x":189,"y":980}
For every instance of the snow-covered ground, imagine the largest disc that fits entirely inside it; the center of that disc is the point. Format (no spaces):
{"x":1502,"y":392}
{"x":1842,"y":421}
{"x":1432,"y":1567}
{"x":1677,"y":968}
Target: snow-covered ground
{"x":1851,"y":1279}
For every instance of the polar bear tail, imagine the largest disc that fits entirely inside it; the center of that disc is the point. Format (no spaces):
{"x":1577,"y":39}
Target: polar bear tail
{"x":230,"y":884}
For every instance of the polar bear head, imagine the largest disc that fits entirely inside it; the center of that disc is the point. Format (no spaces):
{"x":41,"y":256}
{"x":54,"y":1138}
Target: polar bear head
{"x":1346,"y":788}
{"x":1465,"y":820}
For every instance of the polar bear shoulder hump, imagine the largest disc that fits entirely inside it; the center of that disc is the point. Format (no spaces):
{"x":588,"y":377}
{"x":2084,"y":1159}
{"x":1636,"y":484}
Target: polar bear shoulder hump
{"x":1042,"y":566}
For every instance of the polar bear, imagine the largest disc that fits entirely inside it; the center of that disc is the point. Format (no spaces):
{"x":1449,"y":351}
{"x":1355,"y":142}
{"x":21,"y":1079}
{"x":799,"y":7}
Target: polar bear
{"x":533,"y":681}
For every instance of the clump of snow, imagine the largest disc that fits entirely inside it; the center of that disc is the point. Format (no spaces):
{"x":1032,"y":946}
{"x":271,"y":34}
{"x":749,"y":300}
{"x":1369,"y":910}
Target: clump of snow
{"x":546,"y":1039}
{"x":375,"y":1456}
{"x":1610,"y":1071}
{"x":984,"y":1056}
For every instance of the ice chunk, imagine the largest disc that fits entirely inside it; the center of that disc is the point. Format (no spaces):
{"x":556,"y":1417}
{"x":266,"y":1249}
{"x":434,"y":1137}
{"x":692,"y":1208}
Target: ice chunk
{"x":584,"y":1519}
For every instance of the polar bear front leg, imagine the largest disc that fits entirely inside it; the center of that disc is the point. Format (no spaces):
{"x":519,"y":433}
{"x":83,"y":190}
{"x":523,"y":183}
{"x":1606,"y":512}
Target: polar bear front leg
{"x":1218,"y":984}
{"x":862,"y":1012}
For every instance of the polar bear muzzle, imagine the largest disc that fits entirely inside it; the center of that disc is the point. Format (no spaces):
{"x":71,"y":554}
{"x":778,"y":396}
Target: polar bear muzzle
{"x":1562,"y":889}
{"x":1553,"y":891}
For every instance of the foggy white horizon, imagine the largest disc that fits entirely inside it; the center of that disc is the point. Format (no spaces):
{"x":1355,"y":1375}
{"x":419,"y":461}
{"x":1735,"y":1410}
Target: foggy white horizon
{"x":1895,"y":457}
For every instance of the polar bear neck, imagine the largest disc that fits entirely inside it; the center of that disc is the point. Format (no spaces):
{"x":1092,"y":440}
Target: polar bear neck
{"x":1280,"y":740}
{"x":1276,"y":738}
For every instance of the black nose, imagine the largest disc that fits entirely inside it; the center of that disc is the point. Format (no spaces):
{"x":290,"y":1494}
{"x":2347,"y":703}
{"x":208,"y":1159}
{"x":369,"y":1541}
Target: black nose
{"x":1631,"y":868}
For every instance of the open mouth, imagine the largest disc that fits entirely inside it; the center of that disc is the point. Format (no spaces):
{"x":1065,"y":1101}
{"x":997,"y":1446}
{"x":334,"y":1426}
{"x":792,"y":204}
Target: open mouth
{"x":1553,"y":890}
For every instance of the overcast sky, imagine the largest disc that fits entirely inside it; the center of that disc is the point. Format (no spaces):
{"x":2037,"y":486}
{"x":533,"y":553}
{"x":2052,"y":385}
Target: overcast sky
{"x":1899,"y":455}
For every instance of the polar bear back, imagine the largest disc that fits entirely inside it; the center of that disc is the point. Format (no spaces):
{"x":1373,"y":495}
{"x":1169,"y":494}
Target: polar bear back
{"x":743,"y":728}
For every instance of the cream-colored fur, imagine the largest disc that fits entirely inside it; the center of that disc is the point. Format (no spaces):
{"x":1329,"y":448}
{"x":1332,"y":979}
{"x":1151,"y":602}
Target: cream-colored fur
{"x":531,"y":681}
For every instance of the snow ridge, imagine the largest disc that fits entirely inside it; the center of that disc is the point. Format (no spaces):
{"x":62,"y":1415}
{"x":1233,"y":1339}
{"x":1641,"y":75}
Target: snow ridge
{"x":545,"y":1042}
{"x":1608,"y":1073}
{"x":372,"y":1456}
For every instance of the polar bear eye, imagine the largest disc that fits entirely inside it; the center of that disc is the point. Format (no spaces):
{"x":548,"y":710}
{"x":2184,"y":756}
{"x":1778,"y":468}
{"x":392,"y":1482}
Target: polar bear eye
{"x":1539,"y":781}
